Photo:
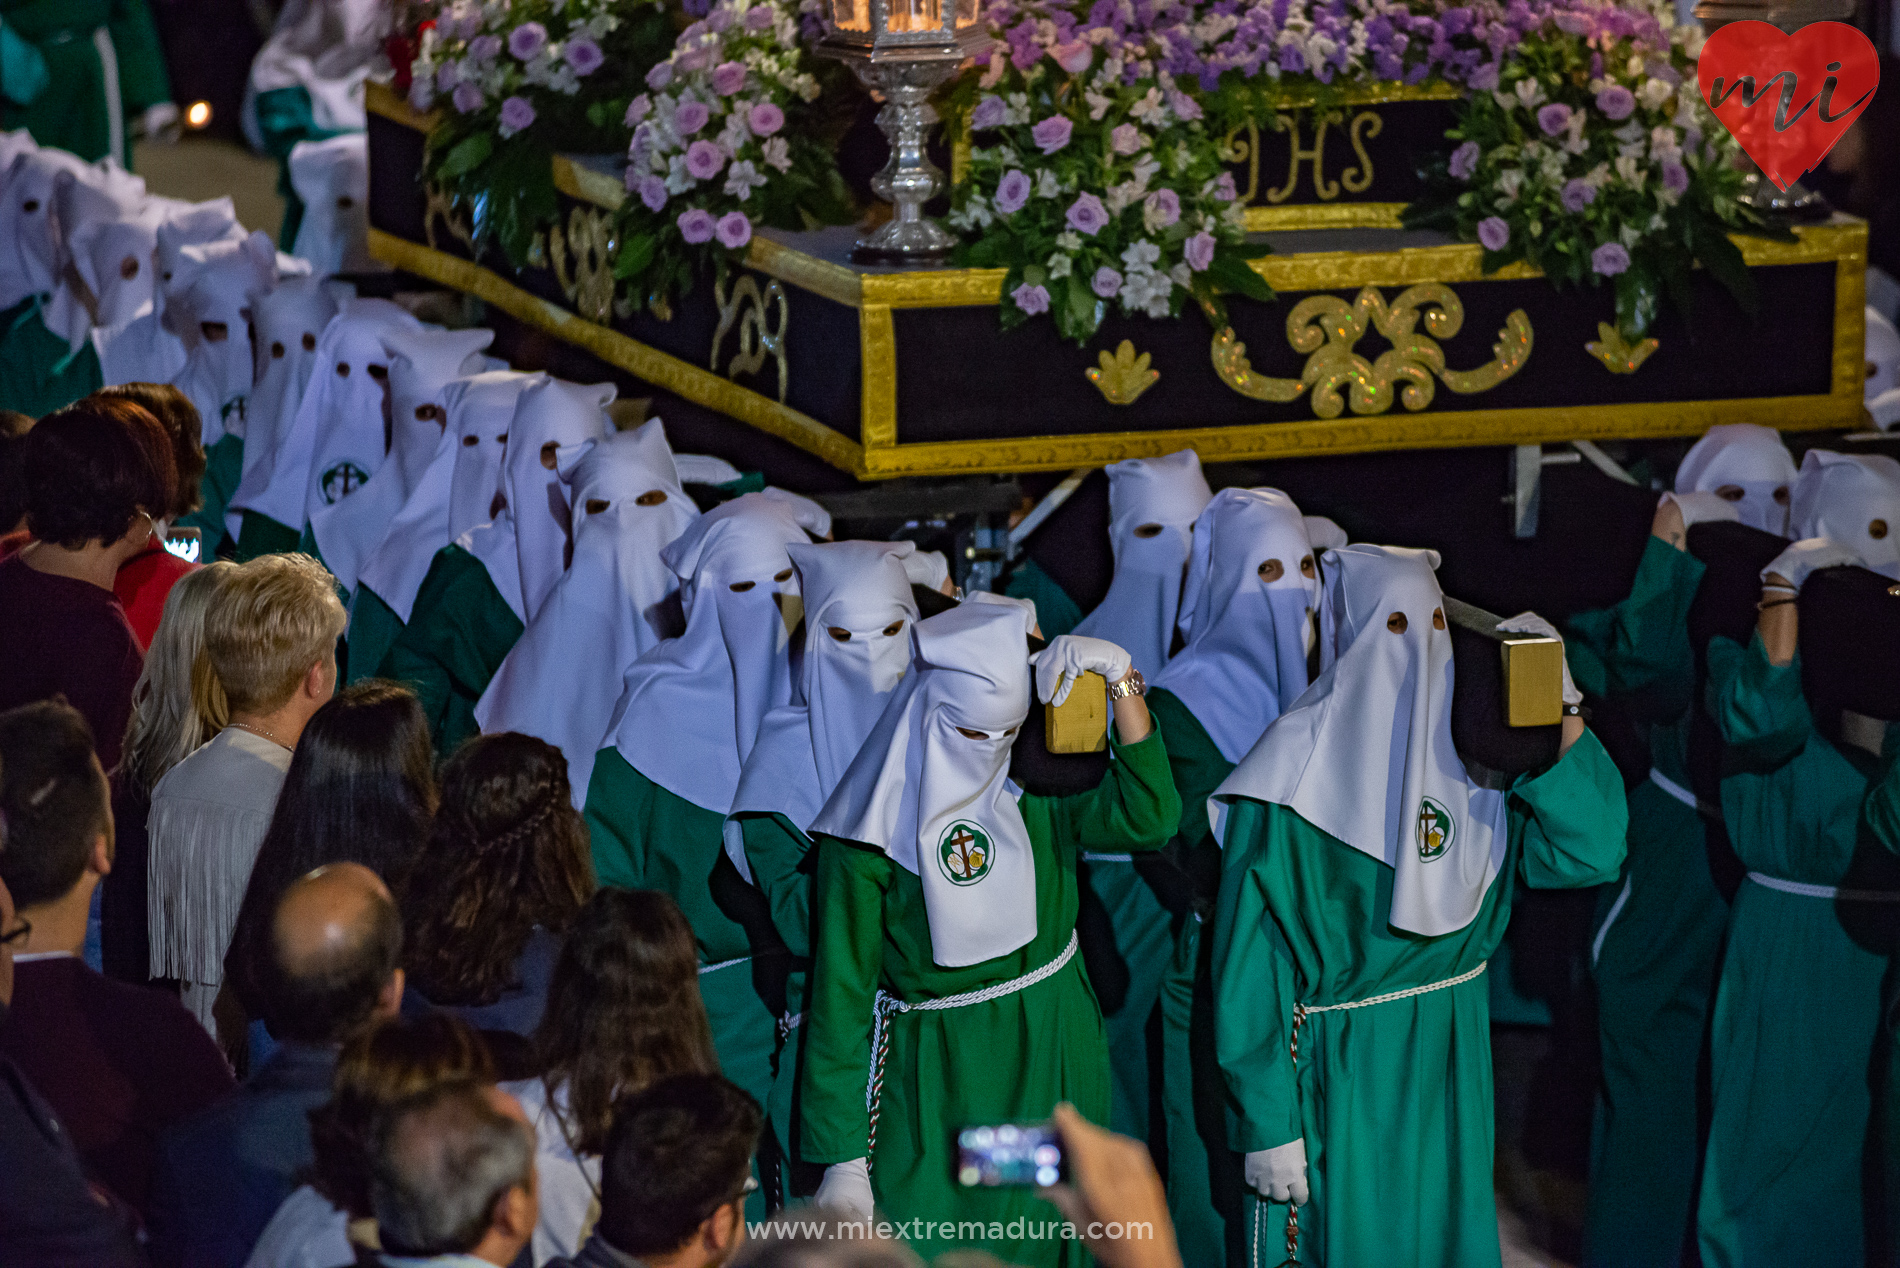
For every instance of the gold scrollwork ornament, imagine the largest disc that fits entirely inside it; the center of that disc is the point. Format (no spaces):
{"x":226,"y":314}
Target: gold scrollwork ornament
{"x":1619,"y":355}
{"x":591,"y":243}
{"x":1328,"y":330}
{"x":1123,"y":377}
{"x":439,"y":205}
{"x":747,"y":307}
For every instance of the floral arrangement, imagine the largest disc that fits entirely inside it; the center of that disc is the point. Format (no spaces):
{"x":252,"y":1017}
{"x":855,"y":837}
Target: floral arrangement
{"x":518,"y":80}
{"x":1592,"y":156}
{"x":726,"y":137}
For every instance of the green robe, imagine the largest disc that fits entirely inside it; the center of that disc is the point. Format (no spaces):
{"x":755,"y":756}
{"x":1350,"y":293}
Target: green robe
{"x":69,"y":112}
{"x":782,"y":859}
{"x":259,"y":535}
{"x":224,"y":464}
{"x":1658,"y":934}
{"x":1881,"y":815}
{"x":459,"y":631}
{"x":1009,"y":1059}
{"x":1394,"y":1100}
{"x":1798,"y":1007}
{"x":38,"y":371}
{"x":285,"y":117}
{"x":373,"y":630}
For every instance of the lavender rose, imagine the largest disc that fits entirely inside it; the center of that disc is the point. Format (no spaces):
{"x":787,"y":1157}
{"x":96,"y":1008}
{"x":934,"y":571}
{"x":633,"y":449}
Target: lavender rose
{"x":467,"y":98}
{"x":734,"y":230}
{"x":1224,"y":189}
{"x":1616,"y":102}
{"x":1161,"y":209}
{"x":1087,"y":215}
{"x":1031,"y":299}
{"x":988,"y":114}
{"x":1577,"y":195}
{"x":1107,"y":282}
{"x":765,"y":118}
{"x":527,"y":39}
{"x":583,"y":55}
{"x":1199,"y":251}
{"x":1125,"y":139}
{"x":1052,"y":133}
{"x":1675,"y":177}
{"x":703,"y":160}
{"x":660,"y":76}
{"x":516,"y":114}
{"x":758,"y":17}
{"x":1609,"y":259}
{"x":484,"y":48}
{"x":1553,"y":118}
{"x":696,"y":226}
{"x":652,"y":191}
{"x":1464,"y":161}
{"x":639,"y":108}
{"x":1074,"y":56}
{"x":1012,"y":191}
{"x":728,"y":78}
{"x":719,"y":21}
{"x":1494,"y":233}
{"x":690,"y":117}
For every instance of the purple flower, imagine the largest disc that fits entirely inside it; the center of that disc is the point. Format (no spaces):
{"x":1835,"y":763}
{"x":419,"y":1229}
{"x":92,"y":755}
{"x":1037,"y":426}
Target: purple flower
{"x":719,"y":21}
{"x":583,"y":55}
{"x":1012,"y":191}
{"x":639,"y":108}
{"x":1125,"y":139}
{"x":1087,"y":215}
{"x":447,"y":76}
{"x":1675,"y":177}
{"x":765,"y":118}
{"x":1107,"y":282}
{"x":1484,"y":79}
{"x":660,"y":76}
{"x":988,"y":114}
{"x":703,"y":160}
{"x":467,"y":98}
{"x":696,"y":226}
{"x":421,"y":97}
{"x":1162,"y":208}
{"x":758,"y":17}
{"x":690,"y":117}
{"x":1052,"y":133}
{"x":1609,"y":259}
{"x":1073,"y":57}
{"x":483,"y":48}
{"x":527,"y":39}
{"x":734,"y":230}
{"x":1494,"y":233}
{"x":1224,"y":187}
{"x":1199,"y":251}
{"x":1031,"y":299}
{"x":516,"y":114}
{"x":697,"y":59}
{"x":1553,"y":118}
{"x":1577,"y":195}
{"x":728,"y":77}
{"x":1464,"y":161}
{"x":1573,"y":23}
{"x":652,"y":191}
{"x":1616,"y":101}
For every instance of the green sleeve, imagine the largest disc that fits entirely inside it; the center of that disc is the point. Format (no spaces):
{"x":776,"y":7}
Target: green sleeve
{"x":142,"y":78}
{"x":1196,"y":763}
{"x":1253,"y":994}
{"x":459,"y":631}
{"x":847,"y":963}
{"x":374,"y":627}
{"x":782,"y":862}
{"x":23,"y":75}
{"x":1571,"y":821}
{"x":1758,"y":707}
{"x":1135,"y":807}
{"x":1641,"y":643}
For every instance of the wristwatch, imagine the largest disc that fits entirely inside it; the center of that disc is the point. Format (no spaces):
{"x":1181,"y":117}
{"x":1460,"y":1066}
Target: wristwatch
{"x":1133,"y":685}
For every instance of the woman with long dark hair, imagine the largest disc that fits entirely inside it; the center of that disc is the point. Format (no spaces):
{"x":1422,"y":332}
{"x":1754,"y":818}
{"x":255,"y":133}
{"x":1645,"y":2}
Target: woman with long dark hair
{"x":623,"y":1013}
{"x":361,"y":789}
{"x":505,"y":871}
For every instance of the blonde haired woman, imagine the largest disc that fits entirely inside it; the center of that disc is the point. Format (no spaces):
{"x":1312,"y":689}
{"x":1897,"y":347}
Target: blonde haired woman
{"x":177,"y":705}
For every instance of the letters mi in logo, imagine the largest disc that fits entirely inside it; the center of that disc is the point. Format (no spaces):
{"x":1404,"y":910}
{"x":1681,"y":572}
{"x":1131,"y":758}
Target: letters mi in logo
{"x":340,"y":481}
{"x":965,"y":854}
{"x":1435,"y":829}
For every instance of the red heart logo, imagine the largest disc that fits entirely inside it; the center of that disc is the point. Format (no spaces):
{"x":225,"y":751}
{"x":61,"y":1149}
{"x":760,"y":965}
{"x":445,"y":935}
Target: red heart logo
{"x":1787,"y":98}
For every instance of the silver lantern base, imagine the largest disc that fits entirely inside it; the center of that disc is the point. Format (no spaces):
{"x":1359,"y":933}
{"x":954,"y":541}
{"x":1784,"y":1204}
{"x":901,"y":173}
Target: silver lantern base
{"x":905,"y":79}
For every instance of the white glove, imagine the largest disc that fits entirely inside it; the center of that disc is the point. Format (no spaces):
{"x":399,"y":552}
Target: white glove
{"x":847,"y":1187}
{"x":1068,"y":657}
{"x":929,"y":569}
{"x":1279,"y":1174}
{"x":699,"y":468}
{"x":1531,"y":623}
{"x":1703,"y":508}
{"x":806,"y":513}
{"x":1809,"y":556}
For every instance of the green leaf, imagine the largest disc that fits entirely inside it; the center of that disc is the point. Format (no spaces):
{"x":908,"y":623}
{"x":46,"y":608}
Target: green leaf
{"x":1233,"y":273}
{"x":1084,"y":309}
{"x":1723,"y":260}
{"x":467,"y":155}
{"x":636,"y":253}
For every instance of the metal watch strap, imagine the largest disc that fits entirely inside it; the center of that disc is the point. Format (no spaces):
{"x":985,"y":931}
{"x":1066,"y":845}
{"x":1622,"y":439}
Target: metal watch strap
{"x":1133,"y":685}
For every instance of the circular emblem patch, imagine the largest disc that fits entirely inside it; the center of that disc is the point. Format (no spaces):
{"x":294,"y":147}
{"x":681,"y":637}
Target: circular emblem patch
{"x":1435,"y":829}
{"x":964,"y":853}
{"x":340,"y":481}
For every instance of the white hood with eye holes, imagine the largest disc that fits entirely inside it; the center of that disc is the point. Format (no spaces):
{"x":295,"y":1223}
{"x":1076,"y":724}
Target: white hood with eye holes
{"x":332,"y":178}
{"x":550,"y":416}
{"x":939,"y":801}
{"x":289,"y":322}
{"x":1747,"y":457}
{"x":1882,"y":391}
{"x":29,"y":237}
{"x":1246,"y":653}
{"x":213,"y":317}
{"x":1152,"y":506}
{"x":690,"y":709}
{"x":348,"y":399}
{"x":1366,"y":754}
{"x":421,"y":363}
{"x":616,"y":599}
{"x":83,"y":205}
{"x":1852,"y":499}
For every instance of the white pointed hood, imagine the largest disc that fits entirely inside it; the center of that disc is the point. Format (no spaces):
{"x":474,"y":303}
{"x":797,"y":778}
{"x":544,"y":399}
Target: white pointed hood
{"x":289,"y":322}
{"x":212,"y":315}
{"x":193,"y":225}
{"x":1882,"y":389}
{"x":325,"y":47}
{"x":332,"y":178}
{"x":689,"y":710}
{"x":1366,"y":754}
{"x":1747,"y":457}
{"x":550,"y":416}
{"x":1854,"y":500}
{"x":83,"y":206}
{"x":1247,"y":607}
{"x":29,"y":243}
{"x":479,"y":409}
{"x":348,"y":400}
{"x":938,"y":801}
{"x":1152,"y":506}
{"x":614,"y":603}
{"x":420,"y":363}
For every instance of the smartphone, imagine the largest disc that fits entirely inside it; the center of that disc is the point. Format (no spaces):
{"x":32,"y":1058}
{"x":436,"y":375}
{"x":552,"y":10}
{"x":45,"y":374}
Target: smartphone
{"x":184,"y":543}
{"x":1010,"y":1154}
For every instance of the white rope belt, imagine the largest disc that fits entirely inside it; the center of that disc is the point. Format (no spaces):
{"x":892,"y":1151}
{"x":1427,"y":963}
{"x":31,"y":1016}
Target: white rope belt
{"x":888,"y":1005}
{"x":1683,"y":795}
{"x":1806,"y":890}
{"x":704,"y":969}
{"x":1407,"y":993}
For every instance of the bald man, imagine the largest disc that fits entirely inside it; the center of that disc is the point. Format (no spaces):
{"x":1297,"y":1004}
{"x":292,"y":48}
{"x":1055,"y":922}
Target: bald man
{"x":335,"y":947}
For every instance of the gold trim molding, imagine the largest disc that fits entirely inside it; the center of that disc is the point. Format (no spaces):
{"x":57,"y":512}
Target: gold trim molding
{"x":381,"y":99}
{"x":588,"y":185}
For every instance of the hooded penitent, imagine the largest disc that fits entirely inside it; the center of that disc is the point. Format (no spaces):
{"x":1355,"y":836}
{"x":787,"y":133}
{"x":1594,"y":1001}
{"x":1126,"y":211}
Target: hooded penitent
{"x":28,"y":237}
{"x":332,"y":178}
{"x":421,"y":363}
{"x":930,"y":784}
{"x":550,"y":416}
{"x":1853,"y":500}
{"x":213,"y":315}
{"x":325,"y":47}
{"x":1366,"y":754}
{"x":690,"y":709}
{"x":1748,"y":461}
{"x":467,"y":461}
{"x":144,"y":348}
{"x":86,"y":204}
{"x":1247,"y":610}
{"x":614,"y":603}
{"x":1882,"y":390}
{"x":1152,"y":506}
{"x":289,"y":322}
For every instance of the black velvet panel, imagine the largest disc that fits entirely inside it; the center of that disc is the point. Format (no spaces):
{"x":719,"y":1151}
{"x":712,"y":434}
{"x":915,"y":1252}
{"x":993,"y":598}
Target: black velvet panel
{"x":1406,"y":131}
{"x":1032,"y":382}
{"x":396,"y":200}
{"x":1850,"y":633}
